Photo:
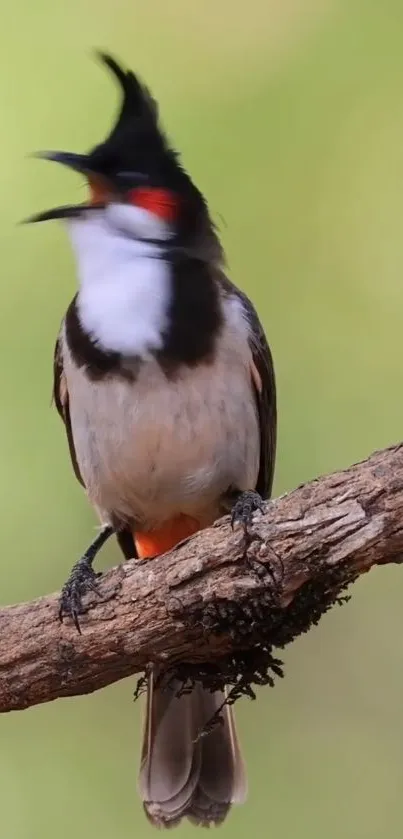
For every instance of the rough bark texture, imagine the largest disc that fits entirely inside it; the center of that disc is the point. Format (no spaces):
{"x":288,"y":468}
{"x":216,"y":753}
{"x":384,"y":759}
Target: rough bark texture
{"x":212,"y":609}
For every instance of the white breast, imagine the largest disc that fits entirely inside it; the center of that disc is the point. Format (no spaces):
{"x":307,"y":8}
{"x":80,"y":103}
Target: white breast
{"x":125,"y":285}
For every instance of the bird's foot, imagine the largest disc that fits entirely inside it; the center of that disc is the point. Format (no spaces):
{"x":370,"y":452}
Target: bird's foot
{"x":81,"y":581}
{"x":247,"y":504}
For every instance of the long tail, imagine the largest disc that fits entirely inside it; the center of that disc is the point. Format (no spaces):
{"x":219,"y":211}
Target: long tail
{"x":181,"y":774}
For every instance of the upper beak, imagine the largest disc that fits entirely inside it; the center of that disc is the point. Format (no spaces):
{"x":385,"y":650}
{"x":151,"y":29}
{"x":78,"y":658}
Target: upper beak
{"x":78,"y":162}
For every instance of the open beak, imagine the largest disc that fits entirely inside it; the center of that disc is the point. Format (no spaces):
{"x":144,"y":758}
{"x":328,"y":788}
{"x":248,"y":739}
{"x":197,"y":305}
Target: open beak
{"x":100,"y":189}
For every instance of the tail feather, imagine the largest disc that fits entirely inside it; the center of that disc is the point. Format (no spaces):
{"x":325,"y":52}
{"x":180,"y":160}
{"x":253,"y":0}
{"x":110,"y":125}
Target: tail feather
{"x":169,"y":769}
{"x":182,"y":774}
{"x":222,"y":779}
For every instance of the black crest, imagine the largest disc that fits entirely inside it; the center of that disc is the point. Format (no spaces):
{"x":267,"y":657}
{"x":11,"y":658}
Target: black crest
{"x":138,"y":106}
{"x":136,"y":142}
{"x":138,"y":146}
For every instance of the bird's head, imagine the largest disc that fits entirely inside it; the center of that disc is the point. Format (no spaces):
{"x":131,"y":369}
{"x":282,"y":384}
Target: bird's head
{"x":134,"y":168}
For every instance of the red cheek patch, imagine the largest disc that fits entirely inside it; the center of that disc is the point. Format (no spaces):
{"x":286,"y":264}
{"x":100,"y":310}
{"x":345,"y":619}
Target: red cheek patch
{"x":160,"y":202}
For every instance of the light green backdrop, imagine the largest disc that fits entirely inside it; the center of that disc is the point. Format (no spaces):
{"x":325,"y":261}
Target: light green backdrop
{"x":289,"y":114}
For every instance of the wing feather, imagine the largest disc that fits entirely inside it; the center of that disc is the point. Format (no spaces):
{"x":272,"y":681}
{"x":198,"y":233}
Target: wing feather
{"x":61,"y":400}
{"x":264,"y":386}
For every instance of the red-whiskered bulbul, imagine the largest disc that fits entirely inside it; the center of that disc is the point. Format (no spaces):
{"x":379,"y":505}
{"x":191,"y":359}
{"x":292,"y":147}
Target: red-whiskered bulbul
{"x":164,"y":380}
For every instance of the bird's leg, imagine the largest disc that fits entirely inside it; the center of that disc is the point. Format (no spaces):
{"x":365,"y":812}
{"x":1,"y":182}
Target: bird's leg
{"x":246,"y":504}
{"x":82,"y":579}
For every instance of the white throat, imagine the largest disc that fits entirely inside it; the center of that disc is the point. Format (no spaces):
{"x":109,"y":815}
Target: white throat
{"x":125,"y":285}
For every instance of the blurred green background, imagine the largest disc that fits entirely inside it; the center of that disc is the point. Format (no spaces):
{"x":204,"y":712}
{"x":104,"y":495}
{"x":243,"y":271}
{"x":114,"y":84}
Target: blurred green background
{"x":289,"y":114}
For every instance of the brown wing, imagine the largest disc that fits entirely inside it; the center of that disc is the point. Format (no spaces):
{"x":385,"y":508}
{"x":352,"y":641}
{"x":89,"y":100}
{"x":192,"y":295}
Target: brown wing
{"x":264,"y":385}
{"x":265,"y":391}
{"x":61,"y":399}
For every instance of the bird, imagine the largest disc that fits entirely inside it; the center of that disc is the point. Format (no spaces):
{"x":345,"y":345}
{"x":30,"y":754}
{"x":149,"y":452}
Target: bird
{"x":165,"y":383}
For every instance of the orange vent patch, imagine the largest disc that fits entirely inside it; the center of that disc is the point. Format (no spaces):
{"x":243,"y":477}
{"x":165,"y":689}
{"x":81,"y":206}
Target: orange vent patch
{"x":159,"y":541}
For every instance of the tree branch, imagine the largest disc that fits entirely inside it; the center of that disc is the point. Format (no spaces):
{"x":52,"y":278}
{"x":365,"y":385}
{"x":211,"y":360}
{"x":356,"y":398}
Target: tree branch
{"x":209,"y":602}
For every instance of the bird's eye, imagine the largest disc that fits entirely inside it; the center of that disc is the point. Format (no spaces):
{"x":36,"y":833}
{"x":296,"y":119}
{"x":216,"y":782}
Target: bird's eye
{"x":129,"y":180}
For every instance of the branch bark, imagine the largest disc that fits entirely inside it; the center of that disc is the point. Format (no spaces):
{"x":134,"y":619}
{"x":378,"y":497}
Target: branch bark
{"x":212,"y":603}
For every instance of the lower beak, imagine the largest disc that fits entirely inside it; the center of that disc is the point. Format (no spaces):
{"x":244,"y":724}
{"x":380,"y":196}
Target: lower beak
{"x":67,"y":211}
